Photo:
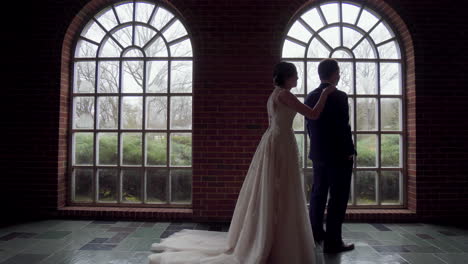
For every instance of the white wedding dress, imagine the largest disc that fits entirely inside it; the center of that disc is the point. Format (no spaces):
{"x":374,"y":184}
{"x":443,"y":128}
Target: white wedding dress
{"x":270,"y":223}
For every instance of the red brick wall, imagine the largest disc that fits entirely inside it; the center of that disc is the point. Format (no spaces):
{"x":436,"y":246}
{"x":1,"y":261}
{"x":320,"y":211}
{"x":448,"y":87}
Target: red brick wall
{"x":236,"y":44}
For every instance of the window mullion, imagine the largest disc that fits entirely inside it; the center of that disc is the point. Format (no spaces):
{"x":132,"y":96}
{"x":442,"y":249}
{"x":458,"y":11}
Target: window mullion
{"x":354,"y":198}
{"x":133,"y":22}
{"x":119,"y":136}
{"x":95,"y":135}
{"x":155,"y":9}
{"x":340,"y":14}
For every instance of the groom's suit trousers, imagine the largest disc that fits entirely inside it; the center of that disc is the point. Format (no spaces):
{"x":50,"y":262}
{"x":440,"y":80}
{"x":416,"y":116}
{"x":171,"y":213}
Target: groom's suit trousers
{"x":336,"y":179}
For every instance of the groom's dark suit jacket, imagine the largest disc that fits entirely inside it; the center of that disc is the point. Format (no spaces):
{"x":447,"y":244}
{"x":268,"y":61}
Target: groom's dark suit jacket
{"x":330,"y":135}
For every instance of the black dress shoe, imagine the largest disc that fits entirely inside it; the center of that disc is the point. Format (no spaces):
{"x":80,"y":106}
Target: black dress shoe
{"x":329,"y":249}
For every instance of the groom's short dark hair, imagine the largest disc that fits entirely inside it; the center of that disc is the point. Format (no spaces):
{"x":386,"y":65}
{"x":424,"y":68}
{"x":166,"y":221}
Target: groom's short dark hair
{"x":327,"y":68}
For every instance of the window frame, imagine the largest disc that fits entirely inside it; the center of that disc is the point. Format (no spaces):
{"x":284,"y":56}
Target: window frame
{"x":144,"y":95}
{"x":402,"y":169}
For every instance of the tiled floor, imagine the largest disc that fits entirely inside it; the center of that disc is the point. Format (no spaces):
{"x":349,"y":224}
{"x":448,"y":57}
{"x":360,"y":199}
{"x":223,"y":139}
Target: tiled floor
{"x":73,"y":242}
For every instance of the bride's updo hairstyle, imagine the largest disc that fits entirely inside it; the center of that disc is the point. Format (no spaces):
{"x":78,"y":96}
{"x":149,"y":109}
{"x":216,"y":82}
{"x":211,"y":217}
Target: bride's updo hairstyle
{"x":282,"y":72}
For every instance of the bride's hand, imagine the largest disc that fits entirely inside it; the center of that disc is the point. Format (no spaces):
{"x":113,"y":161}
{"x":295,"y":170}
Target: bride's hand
{"x":329,"y":89}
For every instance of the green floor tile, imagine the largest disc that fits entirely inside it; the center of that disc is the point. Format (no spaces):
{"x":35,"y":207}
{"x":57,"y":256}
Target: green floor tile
{"x":422,"y":258}
{"x":454,"y":258}
{"x":53,"y":235}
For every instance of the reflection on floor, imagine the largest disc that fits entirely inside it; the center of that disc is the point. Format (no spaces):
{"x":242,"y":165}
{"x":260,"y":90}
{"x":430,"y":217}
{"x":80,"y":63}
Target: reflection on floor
{"x":68,"y":241}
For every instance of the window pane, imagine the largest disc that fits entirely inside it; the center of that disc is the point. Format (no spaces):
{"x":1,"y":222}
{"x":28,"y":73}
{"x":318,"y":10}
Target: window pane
{"x":390,"y":78}
{"x":365,"y":187}
{"x":125,"y":12}
{"x":351,"y":113}
{"x":175,"y":31}
{"x":331,"y":36}
{"x":380,"y":33}
{"x":346,"y":77}
{"x":132,"y":145}
{"x":124,"y":36}
{"x":132,"y":113}
{"x":85,"y":49}
{"x":298,"y":123}
{"x":317,"y":50}
{"x":365,"y":50}
{"x":132,"y":81}
{"x":156,"y":76}
{"x":390,"y":112}
{"x":143,"y":35}
{"x":110,"y":49}
{"x":367,"y":150}
{"x":107,"y":182}
{"x":132,"y":53}
{"x":83,"y":112}
{"x":367,"y":20}
{"x":313,"y":19}
{"x":143,"y":11}
{"x":350,"y":13}
{"x":156,"y":182}
{"x":182,"y":49}
{"x":293,"y":50}
{"x":108,"y":77}
{"x":390,"y":151}
{"x":330,"y":12}
{"x":366,"y":78}
{"x":108,"y":112}
{"x":181,"y":149}
{"x":156,"y":112}
{"x":308,"y":161}
{"x":156,"y":149}
{"x":390,"y":187}
{"x":308,"y":182}
{"x":83,"y":185}
{"x":107,"y":150}
{"x":341,"y":54}
{"x":93,"y":32}
{"x":181,"y":182}
{"x":350,"y":37}
{"x":83,"y":149}
{"x":84,"y":76}
{"x":389,"y":51}
{"x":366,"y":114}
{"x":300,"y":146}
{"x":131,"y":186}
{"x":313,"y":80}
{"x":157,"y":48}
{"x":181,"y":77}
{"x":299,"y":89}
{"x":298,"y":31}
{"x":181,"y":112}
{"x":161,"y":18}
{"x":107,"y":19}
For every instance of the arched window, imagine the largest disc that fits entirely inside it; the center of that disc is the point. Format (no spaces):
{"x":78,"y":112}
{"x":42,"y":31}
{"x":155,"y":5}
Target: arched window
{"x":371,"y":67}
{"x":131,"y":111}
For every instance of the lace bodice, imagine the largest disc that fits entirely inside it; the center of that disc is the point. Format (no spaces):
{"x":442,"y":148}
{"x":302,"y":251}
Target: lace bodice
{"x":280,"y":116}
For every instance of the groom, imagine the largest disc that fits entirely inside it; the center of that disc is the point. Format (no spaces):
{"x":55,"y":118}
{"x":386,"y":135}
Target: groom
{"x":332,"y":152}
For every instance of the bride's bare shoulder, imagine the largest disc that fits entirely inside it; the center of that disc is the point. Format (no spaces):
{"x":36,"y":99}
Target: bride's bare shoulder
{"x":285,"y":96}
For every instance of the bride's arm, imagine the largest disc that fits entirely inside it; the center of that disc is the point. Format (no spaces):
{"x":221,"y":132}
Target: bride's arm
{"x":290,"y":100}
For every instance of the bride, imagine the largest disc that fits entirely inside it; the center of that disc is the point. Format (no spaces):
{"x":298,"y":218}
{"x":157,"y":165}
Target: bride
{"x":270,"y":222}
